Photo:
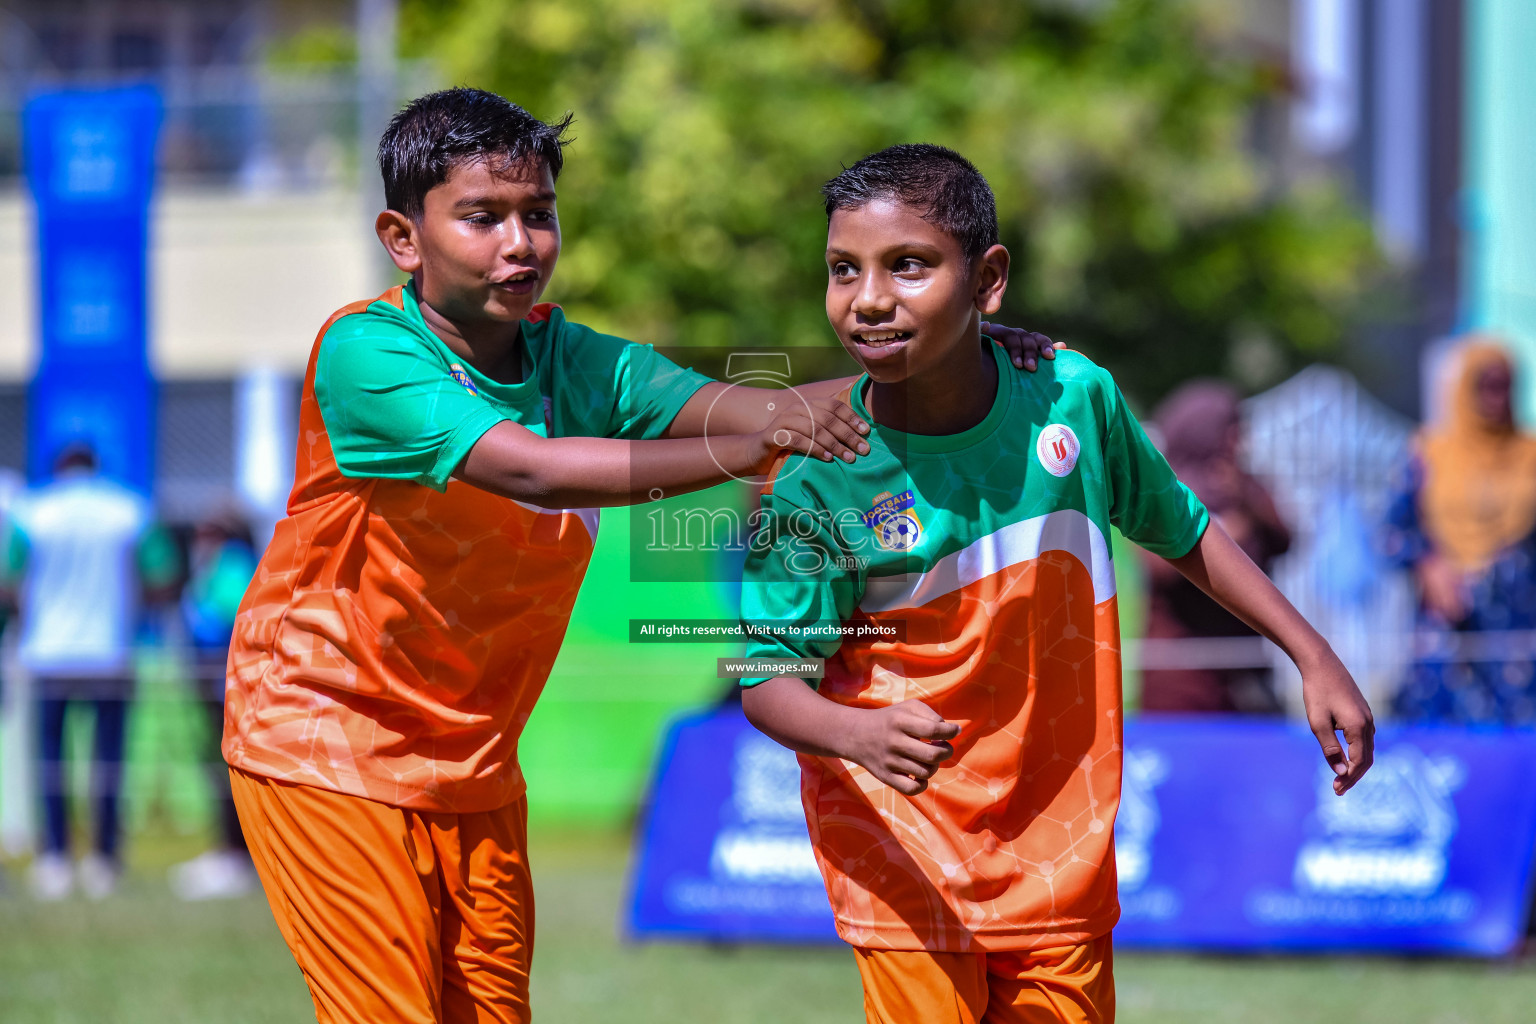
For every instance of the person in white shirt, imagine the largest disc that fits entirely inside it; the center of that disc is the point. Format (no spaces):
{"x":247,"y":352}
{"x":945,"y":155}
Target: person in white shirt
{"x":84,"y":549}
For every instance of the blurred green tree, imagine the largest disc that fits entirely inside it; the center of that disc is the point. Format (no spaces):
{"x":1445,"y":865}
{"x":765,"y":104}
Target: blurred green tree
{"x":1117,"y":135}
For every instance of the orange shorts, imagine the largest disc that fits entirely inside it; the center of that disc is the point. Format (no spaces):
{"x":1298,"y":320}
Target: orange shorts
{"x":1072,"y":984}
{"x":395,"y":915}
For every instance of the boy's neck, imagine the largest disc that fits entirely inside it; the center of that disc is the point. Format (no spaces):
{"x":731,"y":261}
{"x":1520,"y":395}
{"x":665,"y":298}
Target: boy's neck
{"x":491,"y":347}
{"x":954,"y":398}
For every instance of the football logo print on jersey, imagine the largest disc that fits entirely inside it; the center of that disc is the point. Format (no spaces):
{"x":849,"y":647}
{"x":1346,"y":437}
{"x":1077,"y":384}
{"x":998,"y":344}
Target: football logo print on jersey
{"x":900,"y":531}
{"x":896,"y":526}
{"x":1057,"y":449}
{"x":457,"y":373}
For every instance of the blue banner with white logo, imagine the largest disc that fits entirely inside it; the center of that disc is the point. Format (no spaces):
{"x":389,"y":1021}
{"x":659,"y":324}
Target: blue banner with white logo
{"x":1229,"y":837}
{"x":724,"y":853}
{"x":90,"y":166}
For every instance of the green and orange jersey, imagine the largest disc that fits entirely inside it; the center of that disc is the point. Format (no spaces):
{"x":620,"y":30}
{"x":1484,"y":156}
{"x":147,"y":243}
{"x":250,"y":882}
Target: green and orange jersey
{"x":987,"y":552}
{"x":402,"y":624}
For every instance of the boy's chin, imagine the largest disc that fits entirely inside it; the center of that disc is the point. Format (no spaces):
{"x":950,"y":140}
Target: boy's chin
{"x":504,"y":308}
{"x":891,"y":370}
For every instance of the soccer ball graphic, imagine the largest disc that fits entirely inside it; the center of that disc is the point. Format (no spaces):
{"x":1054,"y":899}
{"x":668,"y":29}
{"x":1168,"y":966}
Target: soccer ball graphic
{"x":899,"y":532}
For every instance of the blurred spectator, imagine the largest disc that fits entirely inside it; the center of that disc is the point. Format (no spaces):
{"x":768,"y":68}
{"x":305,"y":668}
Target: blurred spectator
{"x":1201,"y":430}
{"x":221,"y":562}
{"x":1462,"y":521}
{"x":82,"y":547}
{"x":10,"y":486}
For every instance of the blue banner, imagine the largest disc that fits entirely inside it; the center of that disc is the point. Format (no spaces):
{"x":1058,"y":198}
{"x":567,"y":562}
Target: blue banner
{"x":90,"y":166}
{"x":1229,"y":837}
{"x":724,"y":852}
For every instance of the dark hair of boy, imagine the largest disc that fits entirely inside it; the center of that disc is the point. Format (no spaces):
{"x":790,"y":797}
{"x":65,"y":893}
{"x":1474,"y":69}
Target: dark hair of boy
{"x":939,"y":183}
{"x":436,"y":132}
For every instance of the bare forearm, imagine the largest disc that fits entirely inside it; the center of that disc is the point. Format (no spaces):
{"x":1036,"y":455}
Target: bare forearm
{"x":1221,"y":569}
{"x":787,"y":710}
{"x":585,"y":472}
{"x":1332,"y":701}
{"x":720,"y":408}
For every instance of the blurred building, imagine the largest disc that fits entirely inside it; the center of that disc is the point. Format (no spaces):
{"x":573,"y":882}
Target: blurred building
{"x":1381,"y":99}
{"x":260,"y":227}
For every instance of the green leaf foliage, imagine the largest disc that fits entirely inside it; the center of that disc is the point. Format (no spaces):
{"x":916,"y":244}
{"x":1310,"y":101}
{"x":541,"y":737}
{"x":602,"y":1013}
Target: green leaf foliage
{"x":1117,"y":135}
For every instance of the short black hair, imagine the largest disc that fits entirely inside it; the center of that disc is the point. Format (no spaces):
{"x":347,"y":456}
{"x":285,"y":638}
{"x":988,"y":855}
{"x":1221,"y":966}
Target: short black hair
{"x":943,"y":186}
{"x":437,"y":132}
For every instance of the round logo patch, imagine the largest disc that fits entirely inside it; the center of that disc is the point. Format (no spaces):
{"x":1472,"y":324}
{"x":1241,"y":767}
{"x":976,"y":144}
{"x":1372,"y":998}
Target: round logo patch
{"x":1057,"y":449}
{"x":899,"y":531}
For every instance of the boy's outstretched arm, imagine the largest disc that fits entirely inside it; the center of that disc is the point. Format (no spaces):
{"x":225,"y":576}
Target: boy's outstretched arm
{"x":901,"y":745}
{"x":747,"y":407}
{"x":1333,"y":701}
{"x":587,"y":472}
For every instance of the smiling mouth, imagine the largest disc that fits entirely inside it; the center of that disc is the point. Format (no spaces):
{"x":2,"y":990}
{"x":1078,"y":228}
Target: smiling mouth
{"x":521,"y":277}
{"x":880,"y":339}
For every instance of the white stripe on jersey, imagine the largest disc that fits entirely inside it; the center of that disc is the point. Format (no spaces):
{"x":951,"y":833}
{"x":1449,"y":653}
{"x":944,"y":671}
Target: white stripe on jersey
{"x":1063,"y":530}
{"x":588,"y":516}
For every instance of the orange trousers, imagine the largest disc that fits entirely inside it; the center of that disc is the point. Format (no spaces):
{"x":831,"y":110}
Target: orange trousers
{"x":1069,"y":984}
{"x":395,"y":916}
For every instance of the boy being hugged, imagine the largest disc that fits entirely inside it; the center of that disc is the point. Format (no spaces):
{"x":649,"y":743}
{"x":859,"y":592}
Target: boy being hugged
{"x":961,"y":779}
{"x":453,"y":439}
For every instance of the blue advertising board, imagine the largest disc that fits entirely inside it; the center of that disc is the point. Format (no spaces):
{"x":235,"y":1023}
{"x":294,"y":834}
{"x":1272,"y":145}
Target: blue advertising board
{"x":1229,"y":837}
{"x":90,"y":166}
{"x":724,"y":853}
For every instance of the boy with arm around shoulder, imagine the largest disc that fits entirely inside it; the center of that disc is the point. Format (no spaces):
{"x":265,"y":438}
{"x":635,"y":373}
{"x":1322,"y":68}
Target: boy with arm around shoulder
{"x":961,"y":780}
{"x":454,"y":438}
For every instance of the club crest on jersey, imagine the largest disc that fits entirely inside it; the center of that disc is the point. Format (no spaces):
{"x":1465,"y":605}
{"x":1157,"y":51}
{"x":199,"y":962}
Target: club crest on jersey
{"x":896,"y":526}
{"x":1057,"y":449}
{"x":457,"y":373}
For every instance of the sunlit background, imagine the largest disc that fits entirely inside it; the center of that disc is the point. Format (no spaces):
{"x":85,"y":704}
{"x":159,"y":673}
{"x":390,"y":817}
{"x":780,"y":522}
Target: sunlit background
{"x":1307,"y":199}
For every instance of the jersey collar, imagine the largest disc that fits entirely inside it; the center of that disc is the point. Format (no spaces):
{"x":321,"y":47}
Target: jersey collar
{"x":900,"y":442}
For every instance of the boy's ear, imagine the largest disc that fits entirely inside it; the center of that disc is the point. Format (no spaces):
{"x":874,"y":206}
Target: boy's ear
{"x":398,"y":233}
{"x":991,"y":279}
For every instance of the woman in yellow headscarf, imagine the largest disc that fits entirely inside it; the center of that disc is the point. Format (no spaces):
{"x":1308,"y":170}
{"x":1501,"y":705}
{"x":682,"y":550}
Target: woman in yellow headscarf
{"x":1464,"y":523}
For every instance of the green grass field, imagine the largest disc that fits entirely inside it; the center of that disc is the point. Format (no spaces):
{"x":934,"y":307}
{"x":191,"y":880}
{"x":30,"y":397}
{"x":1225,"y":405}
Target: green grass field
{"x":143,"y":957}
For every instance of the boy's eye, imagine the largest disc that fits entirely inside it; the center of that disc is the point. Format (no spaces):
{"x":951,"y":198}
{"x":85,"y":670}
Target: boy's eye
{"x":481,"y":219}
{"x":842,"y":270}
{"x":541,"y":216}
{"x":909,"y":265}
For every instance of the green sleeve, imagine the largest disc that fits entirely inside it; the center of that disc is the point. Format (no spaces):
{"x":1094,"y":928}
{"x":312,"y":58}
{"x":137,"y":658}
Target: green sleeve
{"x":1147,"y":502}
{"x":793,"y":583}
{"x":611,"y":387}
{"x":391,"y":407}
{"x":158,"y":557}
{"x":16,"y":550}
